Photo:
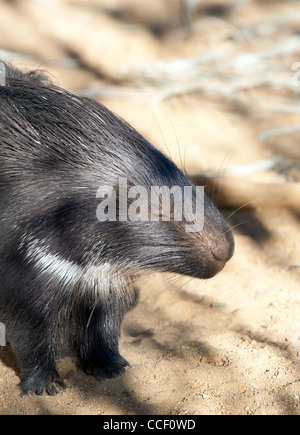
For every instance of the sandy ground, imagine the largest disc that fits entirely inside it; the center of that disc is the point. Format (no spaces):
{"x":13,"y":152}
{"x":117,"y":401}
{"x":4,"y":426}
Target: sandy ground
{"x":228,"y":345}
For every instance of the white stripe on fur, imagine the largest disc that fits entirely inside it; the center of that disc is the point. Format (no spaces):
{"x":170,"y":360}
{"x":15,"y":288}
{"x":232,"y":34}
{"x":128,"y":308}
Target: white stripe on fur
{"x":67,"y":272}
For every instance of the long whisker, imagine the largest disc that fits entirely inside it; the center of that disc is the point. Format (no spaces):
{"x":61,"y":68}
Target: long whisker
{"x":231,"y":152}
{"x":219,"y":170}
{"x":242,"y":206}
{"x":234,"y":226}
{"x":231,"y":228}
{"x":160,"y":131}
{"x":217,"y":176}
{"x":177,"y":141}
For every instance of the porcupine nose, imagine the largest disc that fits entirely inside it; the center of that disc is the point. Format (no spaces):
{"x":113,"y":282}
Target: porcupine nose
{"x":222,"y":252}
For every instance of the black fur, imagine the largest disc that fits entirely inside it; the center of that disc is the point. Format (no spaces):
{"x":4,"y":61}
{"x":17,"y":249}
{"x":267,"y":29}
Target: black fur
{"x":56,"y":150}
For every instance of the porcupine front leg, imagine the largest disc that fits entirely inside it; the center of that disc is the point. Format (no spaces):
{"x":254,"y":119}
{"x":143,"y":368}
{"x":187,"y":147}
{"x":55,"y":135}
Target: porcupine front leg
{"x":32,"y":337}
{"x":29,"y":311}
{"x":100,"y":324}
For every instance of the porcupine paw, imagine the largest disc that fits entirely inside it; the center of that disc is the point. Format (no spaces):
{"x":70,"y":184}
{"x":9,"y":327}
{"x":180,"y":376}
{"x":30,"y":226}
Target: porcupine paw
{"x":39,"y":385}
{"x":110,"y":369}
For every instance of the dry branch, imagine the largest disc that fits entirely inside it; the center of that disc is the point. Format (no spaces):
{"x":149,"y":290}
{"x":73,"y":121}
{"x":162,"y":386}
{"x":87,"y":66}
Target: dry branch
{"x":19,"y":35}
{"x":98,"y":40}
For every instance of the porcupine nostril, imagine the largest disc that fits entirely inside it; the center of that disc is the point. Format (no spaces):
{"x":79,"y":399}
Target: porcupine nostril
{"x":223,"y":250}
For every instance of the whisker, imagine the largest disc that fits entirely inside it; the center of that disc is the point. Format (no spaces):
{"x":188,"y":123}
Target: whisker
{"x":231,"y":228}
{"x":159,"y":289}
{"x":219,"y":170}
{"x":178,"y":145}
{"x":242,"y":206}
{"x":236,"y":225}
{"x":231,"y":152}
{"x":161,"y":133}
{"x":217,"y":176}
